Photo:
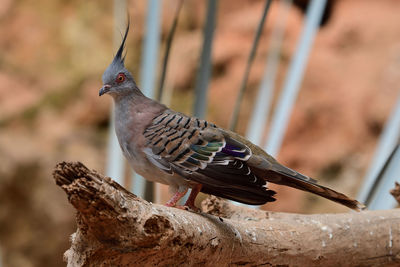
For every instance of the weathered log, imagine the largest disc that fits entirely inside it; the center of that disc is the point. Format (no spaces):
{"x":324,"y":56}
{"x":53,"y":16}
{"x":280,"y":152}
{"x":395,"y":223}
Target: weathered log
{"x":116,"y":228}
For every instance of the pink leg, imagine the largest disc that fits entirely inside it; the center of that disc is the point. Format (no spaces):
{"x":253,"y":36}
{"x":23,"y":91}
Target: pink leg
{"x":175,"y":198}
{"x":192,"y":197}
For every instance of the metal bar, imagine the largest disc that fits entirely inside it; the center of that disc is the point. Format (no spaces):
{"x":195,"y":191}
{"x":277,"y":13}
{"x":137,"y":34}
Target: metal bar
{"x":115,"y":159}
{"x":166,"y":100}
{"x":379,"y":197}
{"x":387,"y":142}
{"x":250,"y":59}
{"x":261,"y":109}
{"x":294,"y":77}
{"x":161,"y":96}
{"x":151,"y":48}
{"x":168,"y":46}
{"x":204,"y":72}
{"x":148,"y":73}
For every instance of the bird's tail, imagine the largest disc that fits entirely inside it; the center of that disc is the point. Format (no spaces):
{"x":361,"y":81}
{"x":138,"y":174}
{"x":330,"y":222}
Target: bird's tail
{"x":285,"y":176}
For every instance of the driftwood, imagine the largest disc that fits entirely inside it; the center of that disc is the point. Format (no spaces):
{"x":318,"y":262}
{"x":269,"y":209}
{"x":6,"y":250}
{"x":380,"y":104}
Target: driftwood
{"x":116,"y":228}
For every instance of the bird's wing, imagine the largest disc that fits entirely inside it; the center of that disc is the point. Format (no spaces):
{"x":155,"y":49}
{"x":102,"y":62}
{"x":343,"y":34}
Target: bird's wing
{"x":201,"y":152}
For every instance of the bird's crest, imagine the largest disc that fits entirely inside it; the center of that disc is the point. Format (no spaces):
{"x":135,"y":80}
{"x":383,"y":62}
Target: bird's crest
{"x":117,"y":65}
{"x":119,"y":58}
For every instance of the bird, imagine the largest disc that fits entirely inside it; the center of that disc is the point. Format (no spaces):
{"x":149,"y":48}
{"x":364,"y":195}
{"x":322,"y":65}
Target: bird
{"x":186,"y":152}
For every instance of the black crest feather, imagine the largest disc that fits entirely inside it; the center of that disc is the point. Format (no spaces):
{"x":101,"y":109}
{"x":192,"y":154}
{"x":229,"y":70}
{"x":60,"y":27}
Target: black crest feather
{"x":118,"y":57}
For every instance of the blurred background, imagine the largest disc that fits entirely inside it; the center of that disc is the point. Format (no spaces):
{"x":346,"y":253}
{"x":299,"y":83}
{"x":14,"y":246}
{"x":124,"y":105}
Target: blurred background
{"x":53,"y":53}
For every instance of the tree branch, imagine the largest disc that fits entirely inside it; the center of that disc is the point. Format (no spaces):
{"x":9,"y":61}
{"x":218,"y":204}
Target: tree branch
{"x":116,"y":228}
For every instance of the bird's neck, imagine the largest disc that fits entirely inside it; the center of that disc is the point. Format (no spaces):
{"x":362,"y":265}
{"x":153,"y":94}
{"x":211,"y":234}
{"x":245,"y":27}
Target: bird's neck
{"x":133,"y":112}
{"x":128,"y":96}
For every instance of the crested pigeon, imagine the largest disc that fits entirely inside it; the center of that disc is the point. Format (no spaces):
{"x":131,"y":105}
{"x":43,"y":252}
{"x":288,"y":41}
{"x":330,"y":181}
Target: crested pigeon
{"x":185,"y":152}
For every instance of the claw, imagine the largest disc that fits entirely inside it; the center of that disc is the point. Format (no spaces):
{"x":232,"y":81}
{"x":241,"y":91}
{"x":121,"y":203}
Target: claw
{"x":189,"y":205}
{"x":188,"y":208}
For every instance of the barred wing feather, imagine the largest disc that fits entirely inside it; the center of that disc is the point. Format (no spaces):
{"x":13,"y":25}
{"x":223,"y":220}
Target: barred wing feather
{"x":199,"y":151}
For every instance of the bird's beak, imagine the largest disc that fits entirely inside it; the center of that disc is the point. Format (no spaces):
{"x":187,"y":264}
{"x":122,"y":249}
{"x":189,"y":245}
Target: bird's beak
{"x":104,"y":90}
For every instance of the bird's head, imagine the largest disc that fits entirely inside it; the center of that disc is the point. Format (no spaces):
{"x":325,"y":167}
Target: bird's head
{"x":117,"y":80}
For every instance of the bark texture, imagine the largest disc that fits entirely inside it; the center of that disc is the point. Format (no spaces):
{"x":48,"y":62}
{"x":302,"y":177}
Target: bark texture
{"x":116,"y":228}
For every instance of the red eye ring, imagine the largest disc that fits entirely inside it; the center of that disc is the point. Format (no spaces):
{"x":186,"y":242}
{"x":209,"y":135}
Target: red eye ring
{"x":120,"y":78}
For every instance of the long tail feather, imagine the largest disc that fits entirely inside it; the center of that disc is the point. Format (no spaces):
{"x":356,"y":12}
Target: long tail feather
{"x":297,"y":181}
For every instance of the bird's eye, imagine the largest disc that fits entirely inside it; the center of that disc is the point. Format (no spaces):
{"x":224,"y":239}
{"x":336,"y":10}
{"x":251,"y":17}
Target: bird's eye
{"x":120,"y":78}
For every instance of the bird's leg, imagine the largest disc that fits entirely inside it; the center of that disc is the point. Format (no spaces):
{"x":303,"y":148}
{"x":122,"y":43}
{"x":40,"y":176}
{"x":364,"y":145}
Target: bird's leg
{"x":175,"y":198}
{"x":192,"y":197}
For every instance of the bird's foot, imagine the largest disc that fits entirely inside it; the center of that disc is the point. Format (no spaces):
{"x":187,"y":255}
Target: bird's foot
{"x":188,"y":208}
{"x":192,"y":197}
{"x":189,"y":205}
{"x":175,"y":198}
